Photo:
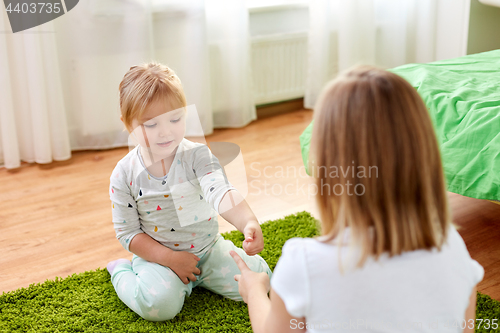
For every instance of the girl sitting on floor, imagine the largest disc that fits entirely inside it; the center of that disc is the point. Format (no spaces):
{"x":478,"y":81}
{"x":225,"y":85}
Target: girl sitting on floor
{"x":166,"y":194}
{"x":389,"y":258}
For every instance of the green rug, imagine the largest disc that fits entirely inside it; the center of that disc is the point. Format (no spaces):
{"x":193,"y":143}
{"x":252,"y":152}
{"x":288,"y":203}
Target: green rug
{"x":87,"y":302}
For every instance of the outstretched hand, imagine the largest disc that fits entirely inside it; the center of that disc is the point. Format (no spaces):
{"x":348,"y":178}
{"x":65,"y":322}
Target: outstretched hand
{"x":249,"y":282}
{"x":254,"y":241}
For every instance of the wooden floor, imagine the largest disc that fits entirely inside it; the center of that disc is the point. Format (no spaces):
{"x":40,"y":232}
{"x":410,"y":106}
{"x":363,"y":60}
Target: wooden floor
{"x":55,"y":219}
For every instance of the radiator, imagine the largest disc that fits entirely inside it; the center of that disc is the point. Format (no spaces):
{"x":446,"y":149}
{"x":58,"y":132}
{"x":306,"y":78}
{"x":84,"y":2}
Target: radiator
{"x":279,"y":67}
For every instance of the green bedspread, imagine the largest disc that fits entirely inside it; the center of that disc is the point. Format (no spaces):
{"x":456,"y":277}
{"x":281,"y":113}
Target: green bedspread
{"x":463,"y":97}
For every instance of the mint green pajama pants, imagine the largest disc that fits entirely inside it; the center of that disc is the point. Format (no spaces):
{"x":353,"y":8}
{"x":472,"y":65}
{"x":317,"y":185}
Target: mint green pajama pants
{"x":156,"y":293}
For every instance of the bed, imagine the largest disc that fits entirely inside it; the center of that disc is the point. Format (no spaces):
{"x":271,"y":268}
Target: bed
{"x":463,"y":97}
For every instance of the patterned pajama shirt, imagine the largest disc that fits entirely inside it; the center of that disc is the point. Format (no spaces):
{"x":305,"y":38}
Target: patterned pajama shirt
{"x":180,"y":212}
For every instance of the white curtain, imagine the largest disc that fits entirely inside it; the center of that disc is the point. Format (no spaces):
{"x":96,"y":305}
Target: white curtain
{"x":32,"y":111}
{"x":385,"y":33}
{"x":59,"y":81}
{"x":230,"y":69}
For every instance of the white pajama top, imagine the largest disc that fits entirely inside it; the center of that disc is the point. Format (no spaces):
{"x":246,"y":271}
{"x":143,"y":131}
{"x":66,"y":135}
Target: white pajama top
{"x":179,"y":210}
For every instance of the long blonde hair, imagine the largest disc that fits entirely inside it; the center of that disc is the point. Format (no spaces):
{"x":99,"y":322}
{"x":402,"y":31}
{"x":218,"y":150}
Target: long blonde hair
{"x":373,"y":126}
{"x":147,"y":83}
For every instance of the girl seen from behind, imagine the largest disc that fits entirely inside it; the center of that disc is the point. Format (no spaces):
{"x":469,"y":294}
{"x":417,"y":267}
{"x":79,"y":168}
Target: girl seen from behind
{"x":389,"y":259}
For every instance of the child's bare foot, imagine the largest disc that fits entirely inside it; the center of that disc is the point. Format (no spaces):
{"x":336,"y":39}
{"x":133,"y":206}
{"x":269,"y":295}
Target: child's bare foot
{"x":112,"y":264}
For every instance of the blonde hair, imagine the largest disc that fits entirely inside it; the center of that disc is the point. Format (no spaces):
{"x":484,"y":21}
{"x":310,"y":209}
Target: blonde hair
{"x":145,"y":84}
{"x":369,"y":117}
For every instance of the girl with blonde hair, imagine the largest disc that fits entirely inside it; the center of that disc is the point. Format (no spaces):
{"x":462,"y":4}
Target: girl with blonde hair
{"x":389,"y":259}
{"x":166,"y":194}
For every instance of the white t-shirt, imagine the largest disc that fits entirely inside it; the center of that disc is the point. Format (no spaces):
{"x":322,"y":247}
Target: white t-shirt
{"x":418,"y":291}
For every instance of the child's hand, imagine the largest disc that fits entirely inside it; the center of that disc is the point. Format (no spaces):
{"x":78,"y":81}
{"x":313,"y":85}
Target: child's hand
{"x":254,"y":241}
{"x":184,"y":265}
{"x":249,"y":282}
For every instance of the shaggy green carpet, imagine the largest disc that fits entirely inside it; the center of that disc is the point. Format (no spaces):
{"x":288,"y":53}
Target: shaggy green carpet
{"x":87,"y":302}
